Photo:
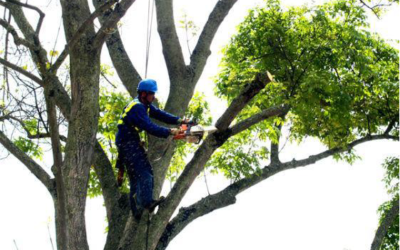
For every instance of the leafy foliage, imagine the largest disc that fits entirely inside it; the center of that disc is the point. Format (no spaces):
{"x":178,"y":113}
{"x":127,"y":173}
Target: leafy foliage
{"x":239,"y":157}
{"x":340,"y":80}
{"x":29,"y":147}
{"x":391,"y":179}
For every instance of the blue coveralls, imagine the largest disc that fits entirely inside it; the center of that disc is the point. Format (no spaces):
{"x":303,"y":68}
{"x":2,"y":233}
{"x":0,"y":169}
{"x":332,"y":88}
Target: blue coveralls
{"x":135,"y":119}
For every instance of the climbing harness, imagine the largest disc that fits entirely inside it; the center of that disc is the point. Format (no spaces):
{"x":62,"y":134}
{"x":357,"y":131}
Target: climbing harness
{"x":142,"y":134}
{"x":150,"y":14}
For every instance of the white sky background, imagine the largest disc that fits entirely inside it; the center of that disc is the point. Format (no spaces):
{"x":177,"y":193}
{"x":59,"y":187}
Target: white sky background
{"x":328,"y":205}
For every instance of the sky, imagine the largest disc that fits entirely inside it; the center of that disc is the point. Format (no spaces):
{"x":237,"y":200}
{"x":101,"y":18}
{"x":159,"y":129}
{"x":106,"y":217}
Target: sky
{"x":329,"y":205}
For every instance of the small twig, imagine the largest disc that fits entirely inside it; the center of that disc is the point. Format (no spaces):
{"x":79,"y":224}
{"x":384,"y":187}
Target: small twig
{"x":205,"y":180}
{"x":51,"y":240}
{"x":55,"y":42}
{"x":187,"y":36}
{"x":5,"y":157}
{"x":105,"y":77}
{"x":284,"y":145}
{"x":373,"y":8}
{"x":10,"y":29}
{"x":41,"y":14}
{"x":22,"y":71}
{"x":37,"y":106}
{"x":15,"y":244}
{"x":6,"y":58}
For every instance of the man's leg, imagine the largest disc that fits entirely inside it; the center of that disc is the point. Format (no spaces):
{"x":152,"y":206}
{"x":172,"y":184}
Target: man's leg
{"x":141,"y":178}
{"x":128,"y":152}
{"x":145,"y":186}
{"x":136,"y":211}
{"x":144,"y":189}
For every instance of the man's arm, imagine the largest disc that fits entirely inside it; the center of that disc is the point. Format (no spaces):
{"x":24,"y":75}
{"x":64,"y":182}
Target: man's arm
{"x":163,"y":116}
{"x":138,"y":116}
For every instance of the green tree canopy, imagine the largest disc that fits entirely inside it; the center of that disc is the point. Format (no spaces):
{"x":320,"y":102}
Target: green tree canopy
{"x":340,"y":80}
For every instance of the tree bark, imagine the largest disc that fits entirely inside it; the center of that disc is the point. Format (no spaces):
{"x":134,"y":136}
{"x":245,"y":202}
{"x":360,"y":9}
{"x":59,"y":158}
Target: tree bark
{"x":385,"y":225}
{"x":82,"y":128}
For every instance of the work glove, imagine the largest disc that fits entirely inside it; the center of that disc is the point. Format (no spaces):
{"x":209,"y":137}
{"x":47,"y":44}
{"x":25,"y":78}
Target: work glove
{"x":187,"y":121}
{"x":174,"y":131}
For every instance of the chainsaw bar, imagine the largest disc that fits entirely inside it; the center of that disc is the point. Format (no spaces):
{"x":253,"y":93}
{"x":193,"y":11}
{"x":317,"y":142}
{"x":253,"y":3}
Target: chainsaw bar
{"x":194,"y":134}
{"x":199,"y":130}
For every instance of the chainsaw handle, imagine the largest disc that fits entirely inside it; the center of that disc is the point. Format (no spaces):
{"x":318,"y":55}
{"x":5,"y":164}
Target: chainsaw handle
{"x":179,"y":136}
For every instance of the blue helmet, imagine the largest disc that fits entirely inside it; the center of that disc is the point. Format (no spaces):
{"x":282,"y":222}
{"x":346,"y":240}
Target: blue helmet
{"x":148,"y":85}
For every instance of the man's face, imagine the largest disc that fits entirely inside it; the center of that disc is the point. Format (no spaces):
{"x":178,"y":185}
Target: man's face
{"x":150,"y":97}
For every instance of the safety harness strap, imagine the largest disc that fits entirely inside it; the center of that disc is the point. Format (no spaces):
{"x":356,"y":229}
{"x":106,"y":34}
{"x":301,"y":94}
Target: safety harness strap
{"x":142,"y":134}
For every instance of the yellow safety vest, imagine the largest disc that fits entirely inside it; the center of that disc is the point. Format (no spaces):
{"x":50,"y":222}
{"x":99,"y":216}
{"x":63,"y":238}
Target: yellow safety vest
{"x":142,"y":134}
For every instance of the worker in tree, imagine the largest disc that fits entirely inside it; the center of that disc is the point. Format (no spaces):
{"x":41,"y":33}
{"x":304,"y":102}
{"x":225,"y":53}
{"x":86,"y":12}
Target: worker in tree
{"x":131,"y":140}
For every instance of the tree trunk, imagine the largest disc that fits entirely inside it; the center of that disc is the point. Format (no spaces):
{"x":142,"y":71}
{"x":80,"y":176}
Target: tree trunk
{"x":81,"y":141}
{"x":82,"y":128}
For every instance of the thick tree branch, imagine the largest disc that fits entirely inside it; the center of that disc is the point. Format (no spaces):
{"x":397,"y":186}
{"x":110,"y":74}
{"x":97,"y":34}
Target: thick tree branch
{"x":202,"y":50}
{"x":227,"y":196}
{"x":123,"y":65}
{"x":391,"y":125}
{"x":387,"y":222}
{"x":183,"y":79}
{"x":242,"y":99}
{"x":22,"y":71}
{"x":57,"y":156}
{"x":35,"y":168}
{"x":263,"y":115}
{"x":110,"y":24}
{"x":203,"y":154}
{"x":78,"y":34}
{"x":171,"y":47}
{"x":188,"y":214}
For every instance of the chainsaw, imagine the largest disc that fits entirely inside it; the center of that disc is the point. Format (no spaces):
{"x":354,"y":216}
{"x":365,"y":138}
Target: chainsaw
{"x":193,"y":133}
